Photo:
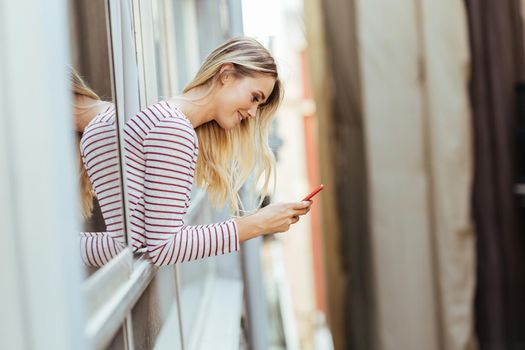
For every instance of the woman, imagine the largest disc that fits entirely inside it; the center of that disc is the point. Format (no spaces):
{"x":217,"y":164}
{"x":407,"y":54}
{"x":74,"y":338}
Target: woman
{"x":99,"y":172}
{"x":215,"y":131}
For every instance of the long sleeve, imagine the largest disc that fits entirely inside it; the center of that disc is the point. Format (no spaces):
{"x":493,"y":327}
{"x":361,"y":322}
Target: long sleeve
{"x":98,"y":148}
{"x":170,"y":151}
{"x":98,"y":248}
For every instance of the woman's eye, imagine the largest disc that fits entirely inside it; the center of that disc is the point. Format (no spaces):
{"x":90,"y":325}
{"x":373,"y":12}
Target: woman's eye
{"x":255,"y":99}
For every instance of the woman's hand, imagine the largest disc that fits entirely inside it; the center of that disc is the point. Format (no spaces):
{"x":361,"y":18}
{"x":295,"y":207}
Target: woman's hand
{"x":273,"y":218}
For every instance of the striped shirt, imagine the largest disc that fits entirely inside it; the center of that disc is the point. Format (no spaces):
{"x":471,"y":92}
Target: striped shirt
{"x":161,"y":150}
{"x":99,"y":151}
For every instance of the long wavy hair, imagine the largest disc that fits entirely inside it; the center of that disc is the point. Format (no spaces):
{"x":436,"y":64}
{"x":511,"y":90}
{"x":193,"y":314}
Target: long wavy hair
{"x":80,"y":88}
{"x":228,"y":157}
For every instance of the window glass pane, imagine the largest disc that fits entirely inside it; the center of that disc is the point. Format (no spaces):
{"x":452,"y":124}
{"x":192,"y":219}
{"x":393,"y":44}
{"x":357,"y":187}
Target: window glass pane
{"x":95,"y":126}
{"x":176,"y":25}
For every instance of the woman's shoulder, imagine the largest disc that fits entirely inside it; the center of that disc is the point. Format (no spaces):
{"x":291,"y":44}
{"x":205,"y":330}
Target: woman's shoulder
{"x":171,"y":114}
{"x":105,"y":119}
{"x":104,"y":115}
{"x":162,"y":116}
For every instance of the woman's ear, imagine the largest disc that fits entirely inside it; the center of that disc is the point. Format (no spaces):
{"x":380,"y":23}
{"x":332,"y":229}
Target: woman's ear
{"x":225,"y":72}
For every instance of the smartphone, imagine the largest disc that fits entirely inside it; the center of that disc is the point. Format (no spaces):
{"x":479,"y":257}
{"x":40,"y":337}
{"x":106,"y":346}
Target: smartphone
{"x":314,"y":192}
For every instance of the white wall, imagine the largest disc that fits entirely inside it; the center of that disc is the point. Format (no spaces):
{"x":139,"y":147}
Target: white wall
{"x":40,"y":265}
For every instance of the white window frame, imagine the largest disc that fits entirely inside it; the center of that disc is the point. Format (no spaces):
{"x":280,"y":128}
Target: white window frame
{"x":115,"y":288}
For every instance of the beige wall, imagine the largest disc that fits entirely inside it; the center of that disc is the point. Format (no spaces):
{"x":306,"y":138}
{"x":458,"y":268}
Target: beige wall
{"x":395,"y":118}
{"x":415,"y":62}
{"x":412,"y":85}
{"x":446,"y":48}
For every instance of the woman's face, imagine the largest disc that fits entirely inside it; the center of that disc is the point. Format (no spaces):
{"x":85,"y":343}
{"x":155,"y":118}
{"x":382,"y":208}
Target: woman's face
{"x":239,"y":98}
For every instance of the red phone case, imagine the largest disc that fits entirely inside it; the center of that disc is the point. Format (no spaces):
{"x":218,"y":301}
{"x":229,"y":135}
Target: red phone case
{"x":314,"y":192}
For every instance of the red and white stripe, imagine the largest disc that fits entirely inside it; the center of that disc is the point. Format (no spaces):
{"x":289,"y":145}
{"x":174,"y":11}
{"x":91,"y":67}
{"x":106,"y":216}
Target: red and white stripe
{"x":161,"y":150}
{"x":98,"y":148}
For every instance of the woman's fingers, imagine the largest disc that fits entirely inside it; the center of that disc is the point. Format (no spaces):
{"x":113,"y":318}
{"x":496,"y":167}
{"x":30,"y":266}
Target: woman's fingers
{"x":291,"y":213}
{"x":301,"y":211}
{"x":301,"y":205}
{"x":300,"y":208}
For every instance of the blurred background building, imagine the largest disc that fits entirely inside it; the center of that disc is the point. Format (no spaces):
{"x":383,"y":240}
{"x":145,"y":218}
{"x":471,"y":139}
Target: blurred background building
{"x":411,"y":113}
{"x":420,"y":113}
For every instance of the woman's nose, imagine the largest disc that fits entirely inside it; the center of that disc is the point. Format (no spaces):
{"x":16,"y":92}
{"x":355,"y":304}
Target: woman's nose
{"x":253,"y":111}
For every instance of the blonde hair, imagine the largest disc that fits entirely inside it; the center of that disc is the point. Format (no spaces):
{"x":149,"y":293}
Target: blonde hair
{"x":79,"y":87}
{"x":227,"y":157}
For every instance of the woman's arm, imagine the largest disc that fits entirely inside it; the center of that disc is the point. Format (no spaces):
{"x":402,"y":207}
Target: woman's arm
{"x":170,"y":156}
{"x":98,"y":248}
{"x":98,"y":148}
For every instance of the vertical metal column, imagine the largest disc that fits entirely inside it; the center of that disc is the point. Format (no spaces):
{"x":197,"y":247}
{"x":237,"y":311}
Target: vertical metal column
{"x":254,"y":289}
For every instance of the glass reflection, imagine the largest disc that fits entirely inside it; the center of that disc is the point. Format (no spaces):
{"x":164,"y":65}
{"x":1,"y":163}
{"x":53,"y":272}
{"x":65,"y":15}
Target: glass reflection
{"x":99,"y":172}
{"x":95,"y":123}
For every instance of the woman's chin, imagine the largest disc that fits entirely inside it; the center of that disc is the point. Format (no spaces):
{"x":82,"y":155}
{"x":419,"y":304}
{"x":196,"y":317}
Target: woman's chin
{"x":228,"y":123}
{"x":228,"y":126}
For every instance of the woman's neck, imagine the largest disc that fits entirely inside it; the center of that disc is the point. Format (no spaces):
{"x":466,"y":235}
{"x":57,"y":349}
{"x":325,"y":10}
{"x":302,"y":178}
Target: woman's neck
{"x":197,"y":105}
